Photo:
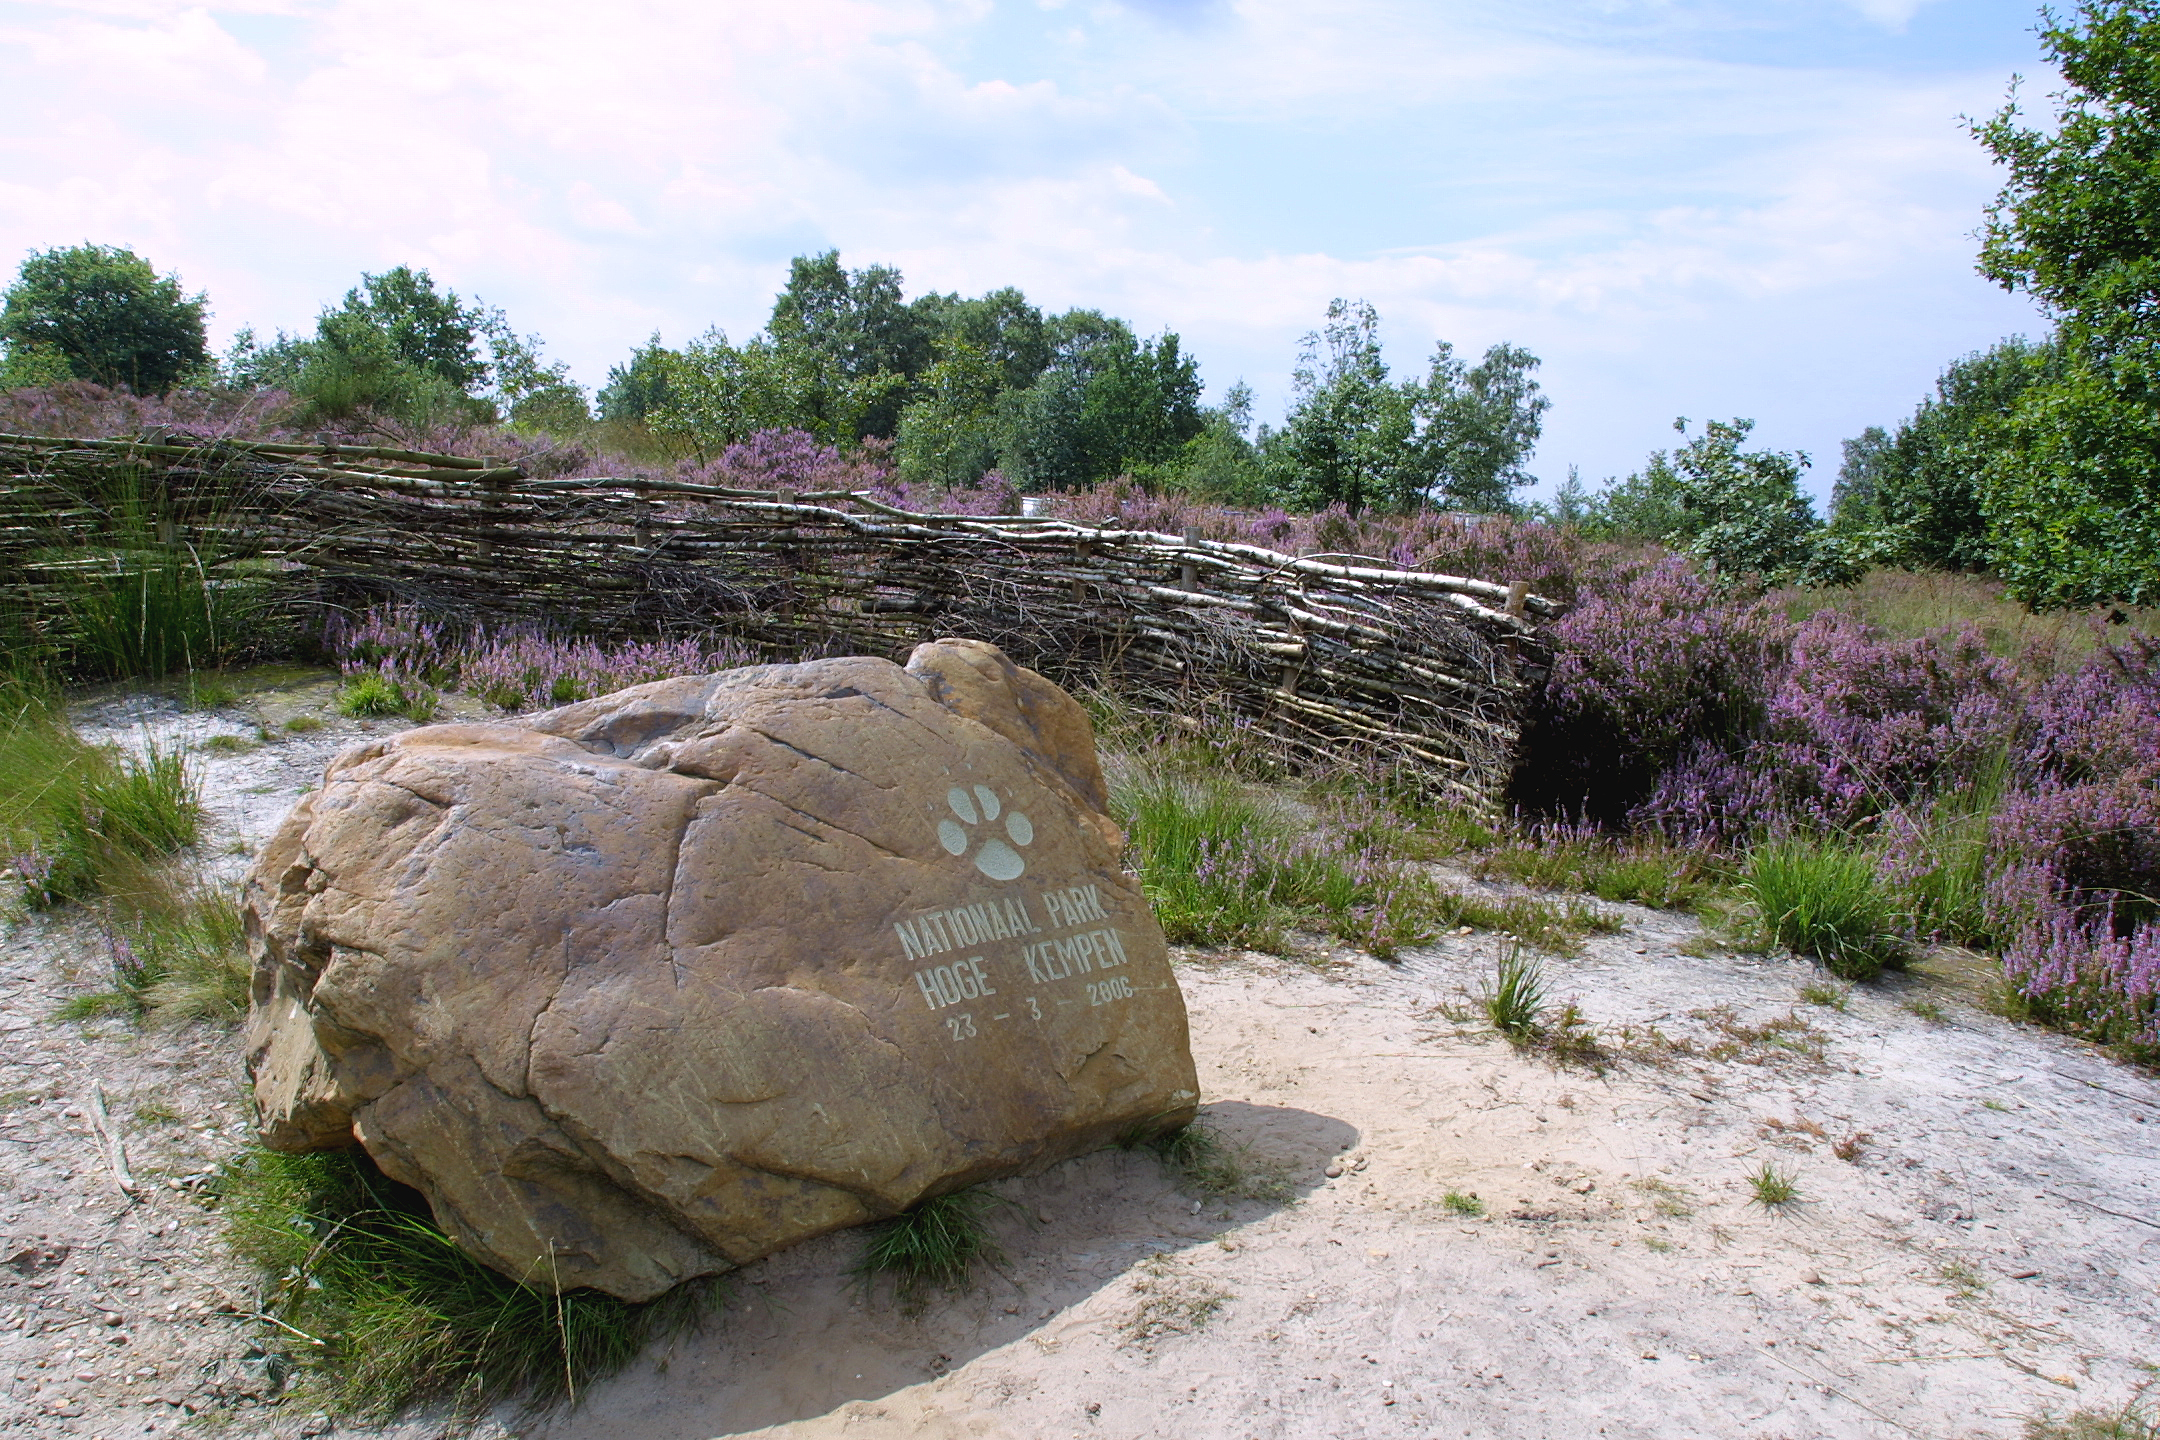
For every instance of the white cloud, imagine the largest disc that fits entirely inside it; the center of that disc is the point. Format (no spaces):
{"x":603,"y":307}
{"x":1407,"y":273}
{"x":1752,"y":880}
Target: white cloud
{"x":1221,"y":168}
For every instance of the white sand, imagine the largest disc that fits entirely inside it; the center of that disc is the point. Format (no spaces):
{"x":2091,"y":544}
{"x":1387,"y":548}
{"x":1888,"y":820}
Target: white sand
{"x":1974,"y":1265}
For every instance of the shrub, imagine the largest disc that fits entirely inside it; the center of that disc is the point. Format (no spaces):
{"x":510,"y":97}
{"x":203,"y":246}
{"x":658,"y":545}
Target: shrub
{"x":1827,"y":898}
{"x":1642,"y":680}
{"x":353,"y":1260}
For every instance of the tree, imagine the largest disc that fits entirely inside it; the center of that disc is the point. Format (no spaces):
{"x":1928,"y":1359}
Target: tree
{"x":861,"y":325}
{"x":1920,"y":487}
{"x":1458,"y":437}
{"x":949,"y":435}
{"x":634,"y":391}
{"x":2071,"y":488}
{"x":1740,"y":512}
{"x":1105,"y":404}
{"x":105,"y":313}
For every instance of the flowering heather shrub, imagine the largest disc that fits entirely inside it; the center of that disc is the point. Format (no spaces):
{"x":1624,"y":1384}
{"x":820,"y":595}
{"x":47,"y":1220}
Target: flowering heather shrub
{"x":2080,"y":974}
{"x":2102,"y":718}
{"x":521,"y":667}
{"x":528,"y":669}
{"x":992,"y":495}
{"x":1664,"y":674}
{"x":395,"y":640}
{"x":794,"y":460}
{"x":1856,"y":725}
{"x":79,"y":408}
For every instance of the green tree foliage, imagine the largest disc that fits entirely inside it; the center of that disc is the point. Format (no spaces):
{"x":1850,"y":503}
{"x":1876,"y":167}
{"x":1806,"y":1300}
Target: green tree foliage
{"x":863,"y":327}
{"x":107,"y":316}
{"x":1458,"y":437}
{"x":634,"y":391}
{"x":1105,"y":403}
{"x":715,"y":393}
{"x":2071,"y":491}
{"x":1917,"y":491}
{"x":401,"y":349}
{"x":1742,"y":512}
{"x":949,"y":434}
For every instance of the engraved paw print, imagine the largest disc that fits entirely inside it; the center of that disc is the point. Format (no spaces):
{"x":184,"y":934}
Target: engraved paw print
{"x":981,"y":806}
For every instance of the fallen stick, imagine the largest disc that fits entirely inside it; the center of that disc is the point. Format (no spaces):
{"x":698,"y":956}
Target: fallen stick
{"x":115,"y":1151}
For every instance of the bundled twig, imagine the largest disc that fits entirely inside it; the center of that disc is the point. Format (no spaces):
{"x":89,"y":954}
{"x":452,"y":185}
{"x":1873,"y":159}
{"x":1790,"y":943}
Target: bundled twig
{"x":1314,"y":657}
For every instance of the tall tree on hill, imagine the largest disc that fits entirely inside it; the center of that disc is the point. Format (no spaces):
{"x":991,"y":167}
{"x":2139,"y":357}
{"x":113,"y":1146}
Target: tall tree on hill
{"x":103,"y":314}
{"x":2071,"y":491}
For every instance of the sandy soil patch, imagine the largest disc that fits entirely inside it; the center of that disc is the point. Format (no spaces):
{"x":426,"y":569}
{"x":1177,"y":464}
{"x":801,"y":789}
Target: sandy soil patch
{"x":1991,"y":1246}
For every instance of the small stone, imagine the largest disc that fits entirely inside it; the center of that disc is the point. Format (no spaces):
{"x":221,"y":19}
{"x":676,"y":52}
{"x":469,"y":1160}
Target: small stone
{"x":1649,"y":1354}
{"x":1810,"y":1277}
{"x":1583,"y":1187}
{"x":1377,"y":1254}
{"x":1094,"y":1407}
{"x":1042,"y":1217}
{"x":1334,"y":1169}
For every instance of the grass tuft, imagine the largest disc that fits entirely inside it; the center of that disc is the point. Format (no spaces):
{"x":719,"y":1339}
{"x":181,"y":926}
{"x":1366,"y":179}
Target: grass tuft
{"x":1827,"y":993}
{"x":1642,"y":872}
{"x":1827,"y":898}
{"x":1773,"y":1188}
{"x":2136,"y":1420}
{"x":76,"y":820}
{"x":302,"y":724}
{"x":1209,"y":1167}
{"x":1463,"y":1203}
{"x":1516,"y":1002}
{"x":372,"y":694}
{"x":398,"y":1314}
{"x":937,"y":1242}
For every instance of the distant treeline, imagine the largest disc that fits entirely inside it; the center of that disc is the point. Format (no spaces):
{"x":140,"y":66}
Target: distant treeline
{"x":950,"y":389}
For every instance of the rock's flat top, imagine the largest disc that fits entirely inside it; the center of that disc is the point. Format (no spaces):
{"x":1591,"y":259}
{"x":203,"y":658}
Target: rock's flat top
{"x":665,"y":981}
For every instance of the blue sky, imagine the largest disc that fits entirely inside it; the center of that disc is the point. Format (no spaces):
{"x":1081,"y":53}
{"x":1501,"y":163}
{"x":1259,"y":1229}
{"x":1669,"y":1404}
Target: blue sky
{"x":1759,"y":208}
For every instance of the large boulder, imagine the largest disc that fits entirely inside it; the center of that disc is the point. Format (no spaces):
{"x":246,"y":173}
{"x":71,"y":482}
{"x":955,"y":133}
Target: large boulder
{"x":652,"y":985}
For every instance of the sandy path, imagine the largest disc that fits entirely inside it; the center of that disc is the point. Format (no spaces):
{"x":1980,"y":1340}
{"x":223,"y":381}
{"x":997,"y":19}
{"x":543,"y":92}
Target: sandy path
{"x":1883,"y":1305}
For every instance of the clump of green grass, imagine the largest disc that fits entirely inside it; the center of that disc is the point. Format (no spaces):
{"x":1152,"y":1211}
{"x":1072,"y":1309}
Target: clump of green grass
{"x":74,"y":818}
{"x":1667,"y":1199}
{"x":1641,"y":871}
{"x":1948,"y":889}
{"x":1228,"y":863}
{"x":936,"y":1242}
{"x":208,"y":690}
{"x":1557,"y":926}
{"x":372,"y":694}
{"x":156,"y":1112}
{"x":1968,"y":1278}
{"x":230,"y":745}
{"x":1773,"y":1188}
{"x":1463,"y":1203}
{"x":1827,"y":898}
{"x":402,"y":1316}
{"x":176,"y":956}
{"x":1926,"y":1010}
{"x":2134,"y":1421}
{"x":1516,"y":1002}
{"x":302,"y":724}
{"x":1210,"y":1167}
{"x":1827,"y":993}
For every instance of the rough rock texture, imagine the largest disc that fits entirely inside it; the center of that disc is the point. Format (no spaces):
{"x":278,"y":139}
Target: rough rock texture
{"x":659,"y":983}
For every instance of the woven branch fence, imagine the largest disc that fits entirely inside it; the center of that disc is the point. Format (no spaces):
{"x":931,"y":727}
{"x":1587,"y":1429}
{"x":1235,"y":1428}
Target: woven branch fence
{"x":1312,"y":657}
